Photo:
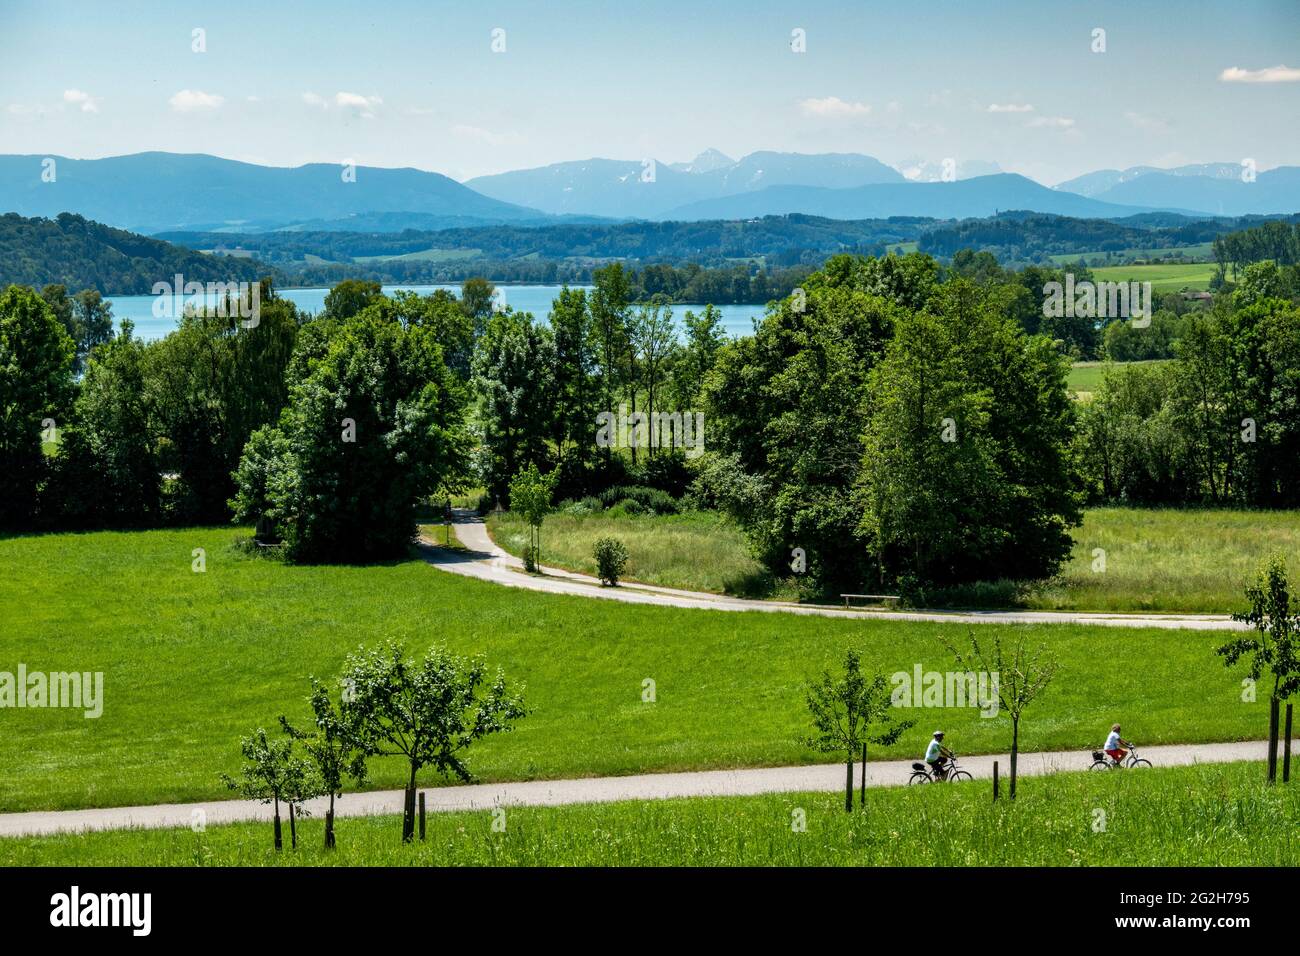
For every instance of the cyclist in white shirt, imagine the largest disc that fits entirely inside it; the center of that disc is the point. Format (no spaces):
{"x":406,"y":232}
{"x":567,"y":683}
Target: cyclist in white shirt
{"x":1115,"y":745}
{"x":937,"y":756}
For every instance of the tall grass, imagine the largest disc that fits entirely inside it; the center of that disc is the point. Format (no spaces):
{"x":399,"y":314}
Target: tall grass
{"x":1189,"y":560}
{"x":697,"y":551}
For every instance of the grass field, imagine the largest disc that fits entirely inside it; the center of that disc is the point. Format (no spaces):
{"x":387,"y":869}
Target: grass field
{"x":1171,"y":277}
{"x":1185,"y":816}
{"x":425,"y":255}
{"x":1163,"y":560}
{"x":1169,"y":559}
{"x":1085,"y":377}
{"x":698,"y":551}
{"x":191,"y":661}
{"x":1201,"y":250}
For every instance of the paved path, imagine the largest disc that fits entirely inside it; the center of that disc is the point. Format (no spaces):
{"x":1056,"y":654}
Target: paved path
{"x":654,"y":786}
{"x":484,"y":560}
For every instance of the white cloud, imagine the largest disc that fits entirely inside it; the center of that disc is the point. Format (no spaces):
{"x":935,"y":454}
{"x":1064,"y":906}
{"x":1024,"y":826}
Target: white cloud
{"x":1050,"y":122}
{"x":88,"y":103}
{"x":893,"y":106}
{"x":833,"y":106}
{"x":311,"y":99}
{"x":1271,"y":74}
{"x":195,"y":101}
{"x":363,"y":106}
{"x":1010,"y":108}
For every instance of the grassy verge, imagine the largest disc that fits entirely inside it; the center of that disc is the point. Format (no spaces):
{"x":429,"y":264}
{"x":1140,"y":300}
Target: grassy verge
{"x":191,"y":661}
{"x":1157,"y":560}
{"x":1161,"y":560}
{"x":697,"y":551}
{"x":1185,"y":816}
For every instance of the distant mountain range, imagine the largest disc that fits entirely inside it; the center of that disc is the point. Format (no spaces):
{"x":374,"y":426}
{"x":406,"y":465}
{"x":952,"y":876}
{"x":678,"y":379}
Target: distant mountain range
{"x":1214,"y":188}
{"x":152,"y":192}
{"x":961,"y":199}
{"x":655,"y":190}
{"x":157,"y":192}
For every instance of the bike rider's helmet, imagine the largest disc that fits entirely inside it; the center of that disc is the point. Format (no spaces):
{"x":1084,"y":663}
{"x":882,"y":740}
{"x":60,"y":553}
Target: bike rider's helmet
{"x":938,"y":735}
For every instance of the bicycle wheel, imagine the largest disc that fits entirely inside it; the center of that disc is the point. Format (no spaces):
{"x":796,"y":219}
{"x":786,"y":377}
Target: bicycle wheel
{"x":957,"y":775}
{"x":919,"y":776}
{"x":1139,"y":762}
{"x":1099,"y":765}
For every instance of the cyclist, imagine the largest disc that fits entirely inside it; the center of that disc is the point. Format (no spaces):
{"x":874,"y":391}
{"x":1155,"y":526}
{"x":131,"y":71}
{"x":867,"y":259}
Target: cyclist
{"x":1115,"y":745}
{"x":937,"y":756}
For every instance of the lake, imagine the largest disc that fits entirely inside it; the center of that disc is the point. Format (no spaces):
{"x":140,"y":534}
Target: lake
{"x":736,"y":319}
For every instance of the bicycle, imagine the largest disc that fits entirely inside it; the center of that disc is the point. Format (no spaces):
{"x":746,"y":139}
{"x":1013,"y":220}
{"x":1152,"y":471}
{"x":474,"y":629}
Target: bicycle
{"x":952,"y":773}
{"x":1103,"y":761}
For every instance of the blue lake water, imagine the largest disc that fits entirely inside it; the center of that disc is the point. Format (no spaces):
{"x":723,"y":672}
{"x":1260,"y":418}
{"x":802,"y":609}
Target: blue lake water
{"x":537,"y":299}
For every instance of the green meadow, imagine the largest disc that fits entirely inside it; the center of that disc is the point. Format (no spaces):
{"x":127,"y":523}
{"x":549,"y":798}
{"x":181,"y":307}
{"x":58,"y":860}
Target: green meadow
{"x":1165,"y":277}
{"x":192,"y":661}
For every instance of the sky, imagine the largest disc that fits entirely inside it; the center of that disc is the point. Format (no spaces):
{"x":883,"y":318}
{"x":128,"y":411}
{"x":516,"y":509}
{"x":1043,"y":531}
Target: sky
{"x":472,"y":88}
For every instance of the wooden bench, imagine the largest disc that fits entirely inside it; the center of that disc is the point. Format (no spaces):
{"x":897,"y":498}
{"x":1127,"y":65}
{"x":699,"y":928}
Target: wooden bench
{"x":886,"y":599}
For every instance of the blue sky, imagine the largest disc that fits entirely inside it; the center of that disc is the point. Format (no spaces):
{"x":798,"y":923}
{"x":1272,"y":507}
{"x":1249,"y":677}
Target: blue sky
{"x":418,"y":84}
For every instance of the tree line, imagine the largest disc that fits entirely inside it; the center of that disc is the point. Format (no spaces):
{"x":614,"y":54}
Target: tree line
{"x":903,"y":424}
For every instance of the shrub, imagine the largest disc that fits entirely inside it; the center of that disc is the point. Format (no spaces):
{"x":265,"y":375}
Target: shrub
{"x":581,"y":509}
{"x":646,"y":499}
{"x":611,"y":560}
{"x":669,"y":472}
{"x":530,"y":559}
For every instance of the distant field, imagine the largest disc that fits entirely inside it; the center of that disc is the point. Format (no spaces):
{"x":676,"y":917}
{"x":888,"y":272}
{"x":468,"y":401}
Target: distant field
{"x":425,"y":255}
{"x":1086,"y":377}
{"x":1218,"y":815}
{"x":1163,"y":278}
{"x":1202,"y":250}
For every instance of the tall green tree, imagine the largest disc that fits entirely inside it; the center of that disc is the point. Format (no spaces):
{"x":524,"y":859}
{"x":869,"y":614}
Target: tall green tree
{"x":514,"y":380}
{"x":36,"y":359}
{"x":575,"y":384}
{"x":376,"y":425}
{"x":107,"y":469}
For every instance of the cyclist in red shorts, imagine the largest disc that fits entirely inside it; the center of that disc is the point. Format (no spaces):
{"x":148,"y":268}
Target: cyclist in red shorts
{"x":1115,"y":745}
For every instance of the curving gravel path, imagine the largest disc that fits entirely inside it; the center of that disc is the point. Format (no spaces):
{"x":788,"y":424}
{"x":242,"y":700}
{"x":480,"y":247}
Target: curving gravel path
{"x":484,"y":560}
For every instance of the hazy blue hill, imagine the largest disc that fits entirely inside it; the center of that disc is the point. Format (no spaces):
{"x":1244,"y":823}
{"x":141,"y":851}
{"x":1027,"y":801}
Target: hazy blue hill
{"x":151,"y":192}
{"x":1276,"y":191}
{"x":1095,"y":183}
{"x":615,"y":188}
{"x":965,"y":198}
